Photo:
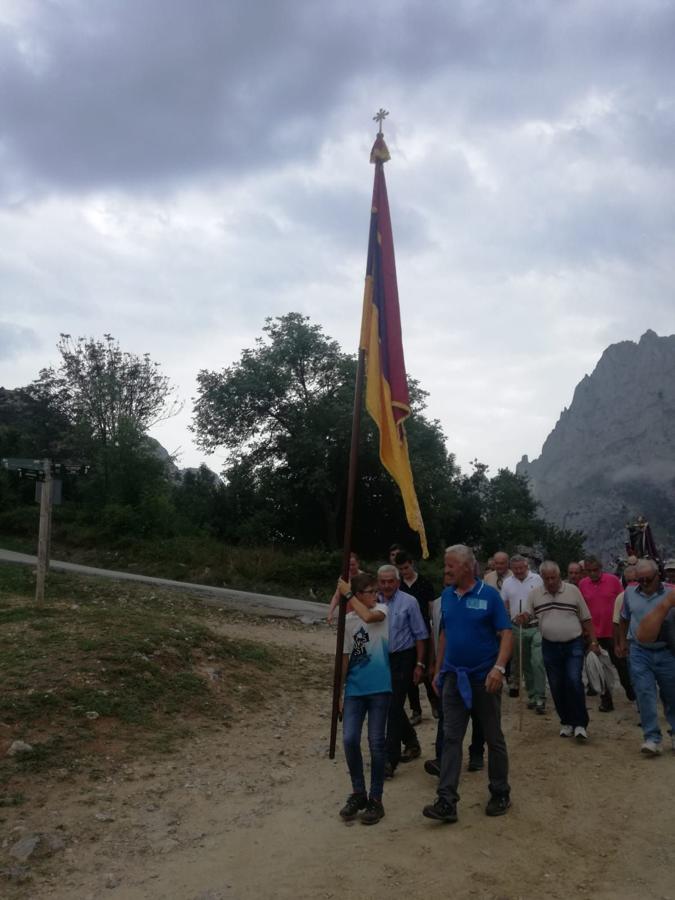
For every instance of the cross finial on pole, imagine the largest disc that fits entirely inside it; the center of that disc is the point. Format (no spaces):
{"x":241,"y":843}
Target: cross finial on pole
{"x":379,"y":117}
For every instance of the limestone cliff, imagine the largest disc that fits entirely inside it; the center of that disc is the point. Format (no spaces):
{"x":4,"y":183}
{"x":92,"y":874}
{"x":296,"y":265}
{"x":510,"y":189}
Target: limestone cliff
{"x":611,"y":455}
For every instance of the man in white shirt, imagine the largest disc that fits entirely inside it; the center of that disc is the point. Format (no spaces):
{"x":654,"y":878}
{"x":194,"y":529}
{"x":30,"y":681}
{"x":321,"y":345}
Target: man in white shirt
{"x":515,"y":592}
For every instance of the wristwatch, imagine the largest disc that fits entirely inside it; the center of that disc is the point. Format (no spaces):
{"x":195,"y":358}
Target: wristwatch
{"x":500,"y":669}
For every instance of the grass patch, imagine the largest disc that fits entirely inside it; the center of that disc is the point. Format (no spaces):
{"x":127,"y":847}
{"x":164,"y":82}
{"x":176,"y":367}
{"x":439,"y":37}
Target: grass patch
{"x":103,"y":664}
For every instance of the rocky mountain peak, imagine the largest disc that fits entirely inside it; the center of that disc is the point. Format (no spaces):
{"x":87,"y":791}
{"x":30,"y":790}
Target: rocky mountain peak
{"x":610,"y":456}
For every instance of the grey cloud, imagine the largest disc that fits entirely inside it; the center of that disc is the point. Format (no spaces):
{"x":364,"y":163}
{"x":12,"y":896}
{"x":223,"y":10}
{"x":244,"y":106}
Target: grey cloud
{"x":15,"y":340}
{"x":156,"y":90}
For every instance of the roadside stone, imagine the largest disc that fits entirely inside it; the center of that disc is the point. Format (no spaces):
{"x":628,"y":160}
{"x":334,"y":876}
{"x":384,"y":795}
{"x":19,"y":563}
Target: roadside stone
{"x":17,"y":874}
{"x":91,"y":714}
{"x":25,"y":847}
{"x":104,"y":817}
{"x":17,"y":747}
{"x":112,"y":881}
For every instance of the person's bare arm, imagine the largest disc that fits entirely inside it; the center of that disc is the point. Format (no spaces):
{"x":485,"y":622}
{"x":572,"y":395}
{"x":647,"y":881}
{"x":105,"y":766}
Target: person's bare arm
{"x":495,"y":679}
{"x":621,"y":648}
{"x":589,"y":636}
{"x":649,"y":627}
{"x":365,"y":613}
{"x":421,"y":649}
{"x":440,"y":653}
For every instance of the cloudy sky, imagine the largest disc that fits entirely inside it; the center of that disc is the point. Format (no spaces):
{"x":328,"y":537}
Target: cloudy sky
{"x":174,"y":171}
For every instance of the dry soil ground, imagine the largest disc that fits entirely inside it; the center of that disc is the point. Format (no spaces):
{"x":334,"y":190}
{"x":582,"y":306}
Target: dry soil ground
{"x":251,"y":812}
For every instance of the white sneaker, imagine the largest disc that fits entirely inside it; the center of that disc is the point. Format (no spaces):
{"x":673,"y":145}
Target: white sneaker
{"x":580,"y":733}
{"x":566,"y":731}
{"x":651,"y":748}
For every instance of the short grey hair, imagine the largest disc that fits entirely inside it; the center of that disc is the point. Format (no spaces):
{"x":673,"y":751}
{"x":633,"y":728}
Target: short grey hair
{"x":465,"y":553}
{"x":642,"y":563}
{"x":388,"y":569}
{"x":549,"y":566}
{"x":518,"y":557}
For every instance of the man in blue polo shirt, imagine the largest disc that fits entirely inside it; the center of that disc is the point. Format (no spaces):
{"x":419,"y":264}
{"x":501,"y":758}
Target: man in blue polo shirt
{"x":474,"y":647}
{"x":652,"y":664}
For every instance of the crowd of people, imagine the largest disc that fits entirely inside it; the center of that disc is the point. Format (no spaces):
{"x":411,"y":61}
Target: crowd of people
{"x":509,"y":628}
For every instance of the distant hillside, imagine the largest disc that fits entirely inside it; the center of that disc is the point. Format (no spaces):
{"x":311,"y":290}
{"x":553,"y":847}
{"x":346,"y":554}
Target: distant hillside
{"x":611,"y":455}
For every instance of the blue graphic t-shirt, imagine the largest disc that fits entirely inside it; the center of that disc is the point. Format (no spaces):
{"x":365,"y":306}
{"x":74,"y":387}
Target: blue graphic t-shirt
{"x":367,"y":645}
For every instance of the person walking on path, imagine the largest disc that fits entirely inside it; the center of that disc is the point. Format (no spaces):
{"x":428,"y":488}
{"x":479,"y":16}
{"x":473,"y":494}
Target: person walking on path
{"x":600,"y":590}
{"x":567,"y":634}
{"x":366,"y":679}
{"x":475,"y":644}
{"x":353,"y":570}
{"x":477,"y":745}
{"x":652,"y":663}
{"x":498,"y":575}
{"x":422,"y":590}
{"x":408,"y":637}
{"x":515,"y":591}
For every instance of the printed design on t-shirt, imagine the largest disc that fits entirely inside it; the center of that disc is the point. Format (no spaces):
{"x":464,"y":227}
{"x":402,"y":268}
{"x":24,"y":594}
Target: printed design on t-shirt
{"x":359,"y":655}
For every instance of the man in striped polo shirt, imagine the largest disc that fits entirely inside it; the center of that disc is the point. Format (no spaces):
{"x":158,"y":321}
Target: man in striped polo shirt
{"x":567,"y":634}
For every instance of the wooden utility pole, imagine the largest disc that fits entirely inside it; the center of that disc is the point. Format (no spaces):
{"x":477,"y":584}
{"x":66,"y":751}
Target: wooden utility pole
{"x":44,"y":535}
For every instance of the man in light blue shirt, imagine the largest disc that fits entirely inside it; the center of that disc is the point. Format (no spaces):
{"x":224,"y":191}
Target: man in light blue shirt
{"x":651,"y":663}
{"x":408,"y":637}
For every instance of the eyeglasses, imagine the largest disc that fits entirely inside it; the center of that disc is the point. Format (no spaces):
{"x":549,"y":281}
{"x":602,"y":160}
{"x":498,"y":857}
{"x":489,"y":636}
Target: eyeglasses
{"x":368,"y":591}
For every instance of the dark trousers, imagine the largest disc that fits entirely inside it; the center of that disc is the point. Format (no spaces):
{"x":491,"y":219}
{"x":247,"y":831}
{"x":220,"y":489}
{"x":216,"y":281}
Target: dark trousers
{"x":414,"y":696}
{"x":564,"y":662}
{"x":488,"y":711}
{"x":399,"y":729}
{"x":477,"y":745}
{"x":621,"y":666}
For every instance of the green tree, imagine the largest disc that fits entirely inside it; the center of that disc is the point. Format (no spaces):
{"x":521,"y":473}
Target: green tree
{"x":284,"y":414}
{"x":108,"y":396}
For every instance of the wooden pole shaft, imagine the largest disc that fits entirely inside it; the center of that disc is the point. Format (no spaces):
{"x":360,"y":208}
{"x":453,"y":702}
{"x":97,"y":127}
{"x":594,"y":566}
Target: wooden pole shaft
{"x":347,"y":545}
{"x":43,"y":537}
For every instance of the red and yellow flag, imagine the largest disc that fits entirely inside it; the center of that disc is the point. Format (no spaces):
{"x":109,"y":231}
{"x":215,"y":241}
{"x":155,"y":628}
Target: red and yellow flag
{"x":387,"y":398}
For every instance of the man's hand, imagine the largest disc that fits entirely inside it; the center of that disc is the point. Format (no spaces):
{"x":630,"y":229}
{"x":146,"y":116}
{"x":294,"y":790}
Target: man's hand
{"x":418,"y":674}
{"x":620,"y":649}
{"x":594,"y":647}
{"x":522,"y":619}
{"x":494,"y":681}
{"x":434,"y":684}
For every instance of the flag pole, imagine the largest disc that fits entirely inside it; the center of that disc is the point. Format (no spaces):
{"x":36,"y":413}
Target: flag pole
{"x":347,"y":543}
{"x":379,"y":117}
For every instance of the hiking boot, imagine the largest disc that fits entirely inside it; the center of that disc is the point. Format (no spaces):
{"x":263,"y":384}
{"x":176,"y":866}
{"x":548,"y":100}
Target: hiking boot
{"x":432,"y":767}
{"x":415,"y":717}
{"x":606,"y":703}
{"x":410,"y":753}
{"x":441,"y":811}
{"x":355,"y":802}
{"x":540,"y":707}
{"x":651,"y":748}
{"x":566,"y":731}
{"x":531,"y":704}
{"x":388,"y":770}
{"x":475,"y":764}
{"x":580,"y":734}
{"x":514,"y":692}
{"x":372,"y":813}
{"x":497,"y":805}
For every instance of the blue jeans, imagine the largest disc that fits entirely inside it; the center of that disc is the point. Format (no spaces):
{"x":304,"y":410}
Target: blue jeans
{"x":376,"y":707}
{"x":649,"y":668}
{"x":564,"y":663}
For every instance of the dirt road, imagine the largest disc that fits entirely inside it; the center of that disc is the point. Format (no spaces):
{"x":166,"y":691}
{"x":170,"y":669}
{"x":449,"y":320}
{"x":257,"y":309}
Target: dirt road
{"x":251,"y":812}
